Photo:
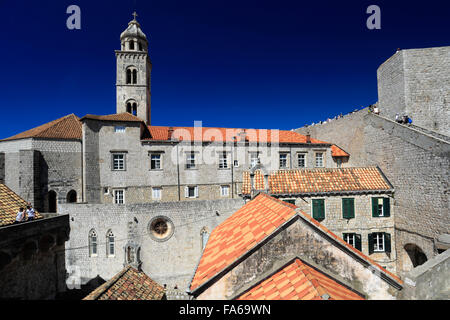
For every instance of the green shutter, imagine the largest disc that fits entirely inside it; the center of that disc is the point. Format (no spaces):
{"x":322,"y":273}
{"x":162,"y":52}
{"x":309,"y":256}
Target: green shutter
{"x":348,"y":208}
{"x":374,"y":207}
{"x":386,"y":207}
{"x":370,"y":243}
{"x":318,"y":209}
{"x":358,"y":242}
{"x":387,"y":242}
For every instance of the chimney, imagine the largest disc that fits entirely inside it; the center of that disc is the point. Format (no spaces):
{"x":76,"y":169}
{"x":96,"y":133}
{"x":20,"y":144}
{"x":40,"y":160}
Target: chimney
{"x":308,"y":138}
{"x":170,"y":132}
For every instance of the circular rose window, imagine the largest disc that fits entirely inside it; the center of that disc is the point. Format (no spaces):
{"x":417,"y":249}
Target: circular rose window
{"x":161,"y":228}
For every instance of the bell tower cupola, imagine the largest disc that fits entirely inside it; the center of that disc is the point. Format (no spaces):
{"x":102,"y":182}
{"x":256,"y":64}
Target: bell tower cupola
{"x":133,"y":84}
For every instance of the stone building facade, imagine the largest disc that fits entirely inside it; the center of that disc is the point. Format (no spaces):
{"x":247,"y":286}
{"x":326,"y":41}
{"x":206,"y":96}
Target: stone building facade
{"x":415,"y":159}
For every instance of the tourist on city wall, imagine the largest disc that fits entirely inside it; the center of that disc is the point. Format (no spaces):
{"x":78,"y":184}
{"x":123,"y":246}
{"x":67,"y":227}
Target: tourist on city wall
{"x":30,"y":212}
{"x":20,"y":216}
{"x":398,"y":119}
{"x":375,"y":110}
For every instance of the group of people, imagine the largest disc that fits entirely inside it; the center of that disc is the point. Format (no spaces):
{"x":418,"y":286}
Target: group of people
{"x":30,"y":214}
{"x":404,"y":120}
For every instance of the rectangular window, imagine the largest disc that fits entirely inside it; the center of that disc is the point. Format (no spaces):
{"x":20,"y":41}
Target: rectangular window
{"x":381,"y":207}
{"x":318,"y":209}
{"x":348,"y":208}
{"x":236,"y":163}
{"x":378,"y":242}
{"x":224,"y":191}
{"x":283,"y":160}
{"x":119,"y":196}
{"x":190,"y":160}
{"x":118,"y":161}
{"x":350,"y":238}
{"x":223,"y":161}
{"x":292,"y":201}
{"x":156,"y":193}
{"x":253,"y":159}
{"x":191,"y":192}
{"x":119,"y":129}
{"x":319,"y":160}
{"x":301,"y":160}
{"x":155,"y":161}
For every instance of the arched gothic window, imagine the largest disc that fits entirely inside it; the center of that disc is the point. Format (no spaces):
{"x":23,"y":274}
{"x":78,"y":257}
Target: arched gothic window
{"x":92,"y":243}
{"x":131,"y":45}
{"x":131,"y":75}
{"x":110,"y":249}
{"x":134,"y":76}
{"x":128,"y":76}
{"x":132,"y":108}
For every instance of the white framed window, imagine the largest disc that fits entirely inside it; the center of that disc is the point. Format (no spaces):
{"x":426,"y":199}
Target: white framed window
{"x":191,"y":192}
{"x":119,"y":129}
{"x":118,"y":161}
{"x":301,"y":160}
{"x":319,"y":159}
{"x":223,"y":160}
{"x":190,"y":160}
{"x":92,"y":243}
{"x":155,"y":161}
{"x":119,"y":196}
{"x":350,"y":238}
{"x":224,"y":191}
{"x":156,"y":193}
{"x":380,"y":208}
{"x":283,"y":160}
{"x":378,"y":242}
{"x":253,"y":159}
{"x":110,"y":248}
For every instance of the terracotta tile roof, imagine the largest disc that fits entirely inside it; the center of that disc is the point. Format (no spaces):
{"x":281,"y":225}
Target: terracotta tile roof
{"x":299,"y":281}
{"x":68,"y":127}
{"x":242,"y":231}
{"x":318,"y":180}
{"x":227,"y":134}
{"x":124,"y":116}
{"x":338,"y":152}
{"x":10,"y":203}
{"x":128,"y":284}
{"x":247,"y":227}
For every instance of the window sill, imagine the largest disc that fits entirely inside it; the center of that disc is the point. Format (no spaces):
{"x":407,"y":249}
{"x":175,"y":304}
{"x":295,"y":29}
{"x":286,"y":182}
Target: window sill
{"x":155,"y":169}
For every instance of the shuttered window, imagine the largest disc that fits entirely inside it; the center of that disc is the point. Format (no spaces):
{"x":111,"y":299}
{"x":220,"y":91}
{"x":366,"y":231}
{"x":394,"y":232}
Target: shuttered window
{"x":318,"y":208}
{"x":381,"y":207}
{"x":348,"y":208}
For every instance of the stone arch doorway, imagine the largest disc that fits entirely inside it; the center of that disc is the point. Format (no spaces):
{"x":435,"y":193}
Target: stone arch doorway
{"x":416,"y":254}
{"x":52,"y":199}
{"x":71,"y":196}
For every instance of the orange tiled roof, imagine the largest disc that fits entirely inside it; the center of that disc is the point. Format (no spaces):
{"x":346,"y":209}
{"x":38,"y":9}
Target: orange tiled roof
{"x":68,"y":127}
{"x":318,"y":180}
{"x":129,"y":284}
{"x":227,"y":134}
{"x":247,"y":227}
{"x":10,"y":203}
{"x":124,"y":116}
{"x":338,"y":152}
{"x":239,"y":233}
{"x":299,"y":281}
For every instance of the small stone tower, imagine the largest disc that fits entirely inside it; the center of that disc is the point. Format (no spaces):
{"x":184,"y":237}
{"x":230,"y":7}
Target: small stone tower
{"x":134,"y":69}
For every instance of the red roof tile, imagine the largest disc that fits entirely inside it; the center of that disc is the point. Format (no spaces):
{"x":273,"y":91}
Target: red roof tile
{"x":68,"y":127}
{"x":10,"y":203}
{"x":318,"y":180}
{"x":129,"y":284}
{"x":238,"y":234}
{"x":299,"y":281}
{"x":124,"y":116}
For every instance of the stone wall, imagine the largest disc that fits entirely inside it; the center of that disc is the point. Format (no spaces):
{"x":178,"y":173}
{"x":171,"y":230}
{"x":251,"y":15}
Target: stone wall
{"x":32,"y":261}
{"x":430,"y":280}
{"x":416,"y":82}
{"x":414,"y":162}
{"x":171,"y":261}
{"x":362,"y":224}
{"x":2,"y":167}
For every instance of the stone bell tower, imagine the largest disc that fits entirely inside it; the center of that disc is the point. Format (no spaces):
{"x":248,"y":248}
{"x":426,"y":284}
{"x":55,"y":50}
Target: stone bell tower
{"x":134,"y":69}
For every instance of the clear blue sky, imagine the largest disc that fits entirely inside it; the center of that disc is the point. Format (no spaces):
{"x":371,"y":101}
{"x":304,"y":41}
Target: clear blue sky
{"x":254,"y":64}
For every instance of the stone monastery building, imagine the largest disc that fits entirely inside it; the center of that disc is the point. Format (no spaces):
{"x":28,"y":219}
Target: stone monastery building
{"x":149,"y":196}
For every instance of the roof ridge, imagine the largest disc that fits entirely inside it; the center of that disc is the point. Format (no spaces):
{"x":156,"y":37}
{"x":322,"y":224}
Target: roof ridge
{"x":108,"y":284}
{"x":307,"y":275}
